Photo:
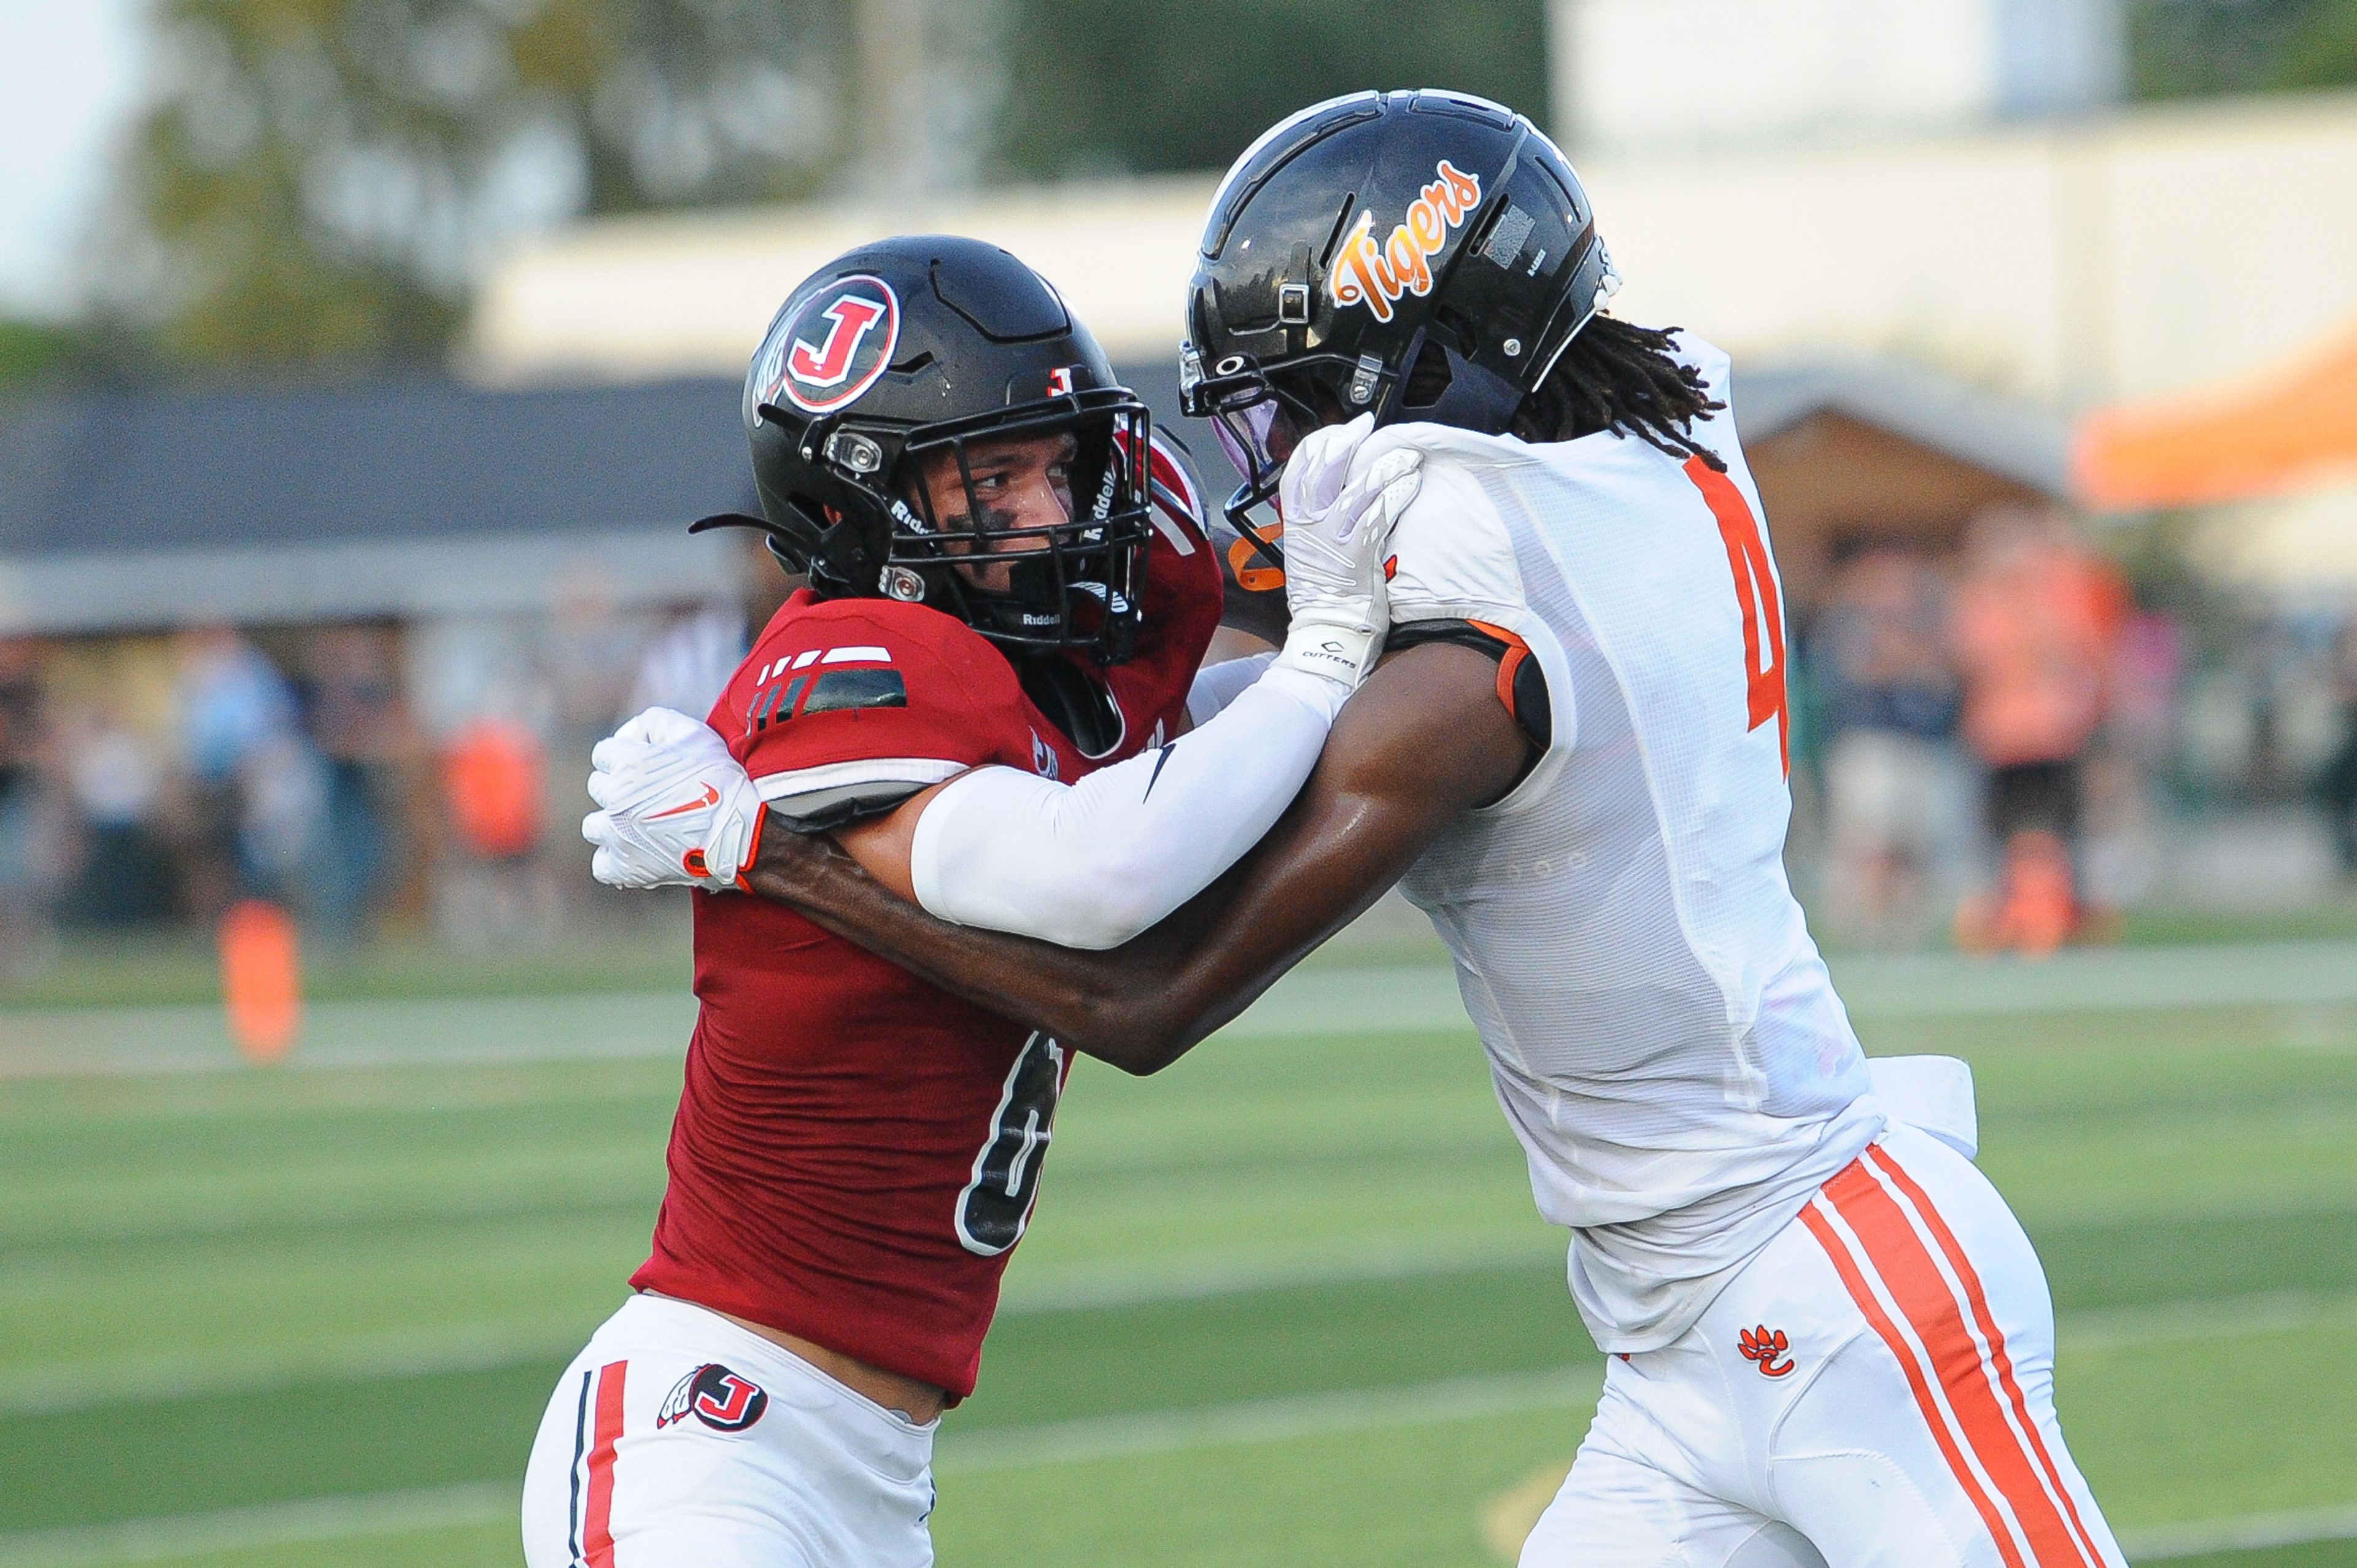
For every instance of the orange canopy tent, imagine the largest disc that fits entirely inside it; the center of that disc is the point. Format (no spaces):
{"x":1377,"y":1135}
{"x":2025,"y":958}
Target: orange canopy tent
{"x":2293,"y":428}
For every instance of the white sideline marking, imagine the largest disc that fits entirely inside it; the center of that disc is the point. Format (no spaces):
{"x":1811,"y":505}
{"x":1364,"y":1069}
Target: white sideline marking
{"x":271,"y":1524}
{"x":2252,"y":1532}
{"x":1267,"y":1421}
{"x":1459,"y":1399}
{"x":490,"y":1347}
{"x":1416,"y":998}
{"x":2238,"y":974}
{"x":447,"y":1031}
{"x":1206,"y":1279}
{"x":415,"y":1353}
{"x":2235,"y":1316}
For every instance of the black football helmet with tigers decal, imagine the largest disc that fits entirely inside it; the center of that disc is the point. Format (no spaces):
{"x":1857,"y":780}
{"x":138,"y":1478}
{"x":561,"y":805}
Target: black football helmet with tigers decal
{"x":923,"y":348}
{"x":1422,"y":256}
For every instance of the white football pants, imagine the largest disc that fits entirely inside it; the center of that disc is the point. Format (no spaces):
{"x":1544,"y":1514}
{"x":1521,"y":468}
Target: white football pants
{"x":678,"y":1439}
{"x":1875,"y":1390}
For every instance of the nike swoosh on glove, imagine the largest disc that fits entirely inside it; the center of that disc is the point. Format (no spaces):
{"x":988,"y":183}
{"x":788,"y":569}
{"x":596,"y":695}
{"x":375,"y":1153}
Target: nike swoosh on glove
{"x":675,"y":809}
{"x":1338,"y":533}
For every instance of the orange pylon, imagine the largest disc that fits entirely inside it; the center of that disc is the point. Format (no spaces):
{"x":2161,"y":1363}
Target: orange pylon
{"x":261,"y":979}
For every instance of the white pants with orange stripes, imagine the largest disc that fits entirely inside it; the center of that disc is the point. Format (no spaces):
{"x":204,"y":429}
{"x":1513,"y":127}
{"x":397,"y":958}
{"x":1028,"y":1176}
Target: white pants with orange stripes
{"x":1875,"y":1390}
{"x":678,"y":1439}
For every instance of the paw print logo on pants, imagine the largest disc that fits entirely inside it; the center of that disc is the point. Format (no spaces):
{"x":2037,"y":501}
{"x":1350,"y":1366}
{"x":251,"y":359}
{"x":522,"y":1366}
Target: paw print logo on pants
{"x":1767,"y":1346}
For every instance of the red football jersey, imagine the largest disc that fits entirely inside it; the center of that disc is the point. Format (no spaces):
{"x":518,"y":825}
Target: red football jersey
{"x":856,"y":1152}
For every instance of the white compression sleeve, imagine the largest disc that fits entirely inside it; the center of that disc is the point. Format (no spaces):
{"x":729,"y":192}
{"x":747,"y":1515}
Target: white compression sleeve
{"x":1093,"y":864}
{"x":1217,"y":685}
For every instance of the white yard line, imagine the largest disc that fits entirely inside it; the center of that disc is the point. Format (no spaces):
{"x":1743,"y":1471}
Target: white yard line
{"x":1403,"y":998}
{"x":271,"y":1524}
{"x":2241,"y":974}
{"x":1267,"y":1421}
{"x":493,"y":1346}
{"x":1206,"y":1278}
{"x":2231,"y":1317}
{"x":2252,"y":1532}
{"x":412,"y":1353}
{"x":1059,"y":1443}
{"x":490,"y":1347}
{"x":1257,"y":1421}
{"x":451,"y":1031}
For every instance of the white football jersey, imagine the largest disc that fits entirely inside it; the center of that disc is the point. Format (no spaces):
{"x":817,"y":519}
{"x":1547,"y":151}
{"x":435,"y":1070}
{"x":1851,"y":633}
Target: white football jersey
{"x":1660,"y":1030}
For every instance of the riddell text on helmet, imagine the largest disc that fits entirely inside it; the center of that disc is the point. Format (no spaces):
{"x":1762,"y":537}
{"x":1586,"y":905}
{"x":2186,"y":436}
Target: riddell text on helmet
{"x":1374,"y":275}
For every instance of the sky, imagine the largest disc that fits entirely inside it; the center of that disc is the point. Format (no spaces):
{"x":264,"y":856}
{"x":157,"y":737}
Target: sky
{"x":69,"y":85}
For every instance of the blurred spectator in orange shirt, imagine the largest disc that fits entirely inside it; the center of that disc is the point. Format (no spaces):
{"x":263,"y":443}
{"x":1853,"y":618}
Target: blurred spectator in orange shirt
{"x":491,"y":771}
{"x":2036,"y":621}
{"x":494,"y":781}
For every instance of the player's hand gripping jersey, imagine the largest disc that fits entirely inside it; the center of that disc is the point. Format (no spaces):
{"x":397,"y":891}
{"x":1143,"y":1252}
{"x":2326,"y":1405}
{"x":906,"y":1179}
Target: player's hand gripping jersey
{"x":855,"y":1152}
{"x":1661,"y":1033}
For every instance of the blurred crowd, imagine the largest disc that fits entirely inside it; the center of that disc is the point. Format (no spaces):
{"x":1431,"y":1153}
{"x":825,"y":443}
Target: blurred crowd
{"x":1992,"y":742}
{"x":2000,"y":732}
{"x":1959,"y":702}
{"x":362,"y":777}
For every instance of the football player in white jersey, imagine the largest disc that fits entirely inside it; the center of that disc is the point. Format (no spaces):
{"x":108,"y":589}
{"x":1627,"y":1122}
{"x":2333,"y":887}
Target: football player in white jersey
{"x":1830,"y":1343}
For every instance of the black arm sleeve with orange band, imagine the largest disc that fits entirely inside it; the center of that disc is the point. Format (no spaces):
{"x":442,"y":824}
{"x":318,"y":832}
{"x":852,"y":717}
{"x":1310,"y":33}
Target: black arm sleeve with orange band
{"x":1522,"y":684}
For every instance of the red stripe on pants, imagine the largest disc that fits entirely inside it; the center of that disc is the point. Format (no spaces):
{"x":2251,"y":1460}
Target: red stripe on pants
{"x":1905,"y":1263}
{"x":597,"y":1530}
{"x":1863,"y":1295}
{"x":1977,"y":1299}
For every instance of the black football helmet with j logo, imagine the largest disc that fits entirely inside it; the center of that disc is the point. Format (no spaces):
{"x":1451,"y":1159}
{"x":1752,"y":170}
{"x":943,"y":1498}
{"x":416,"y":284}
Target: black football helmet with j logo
{"x":922,"y":351}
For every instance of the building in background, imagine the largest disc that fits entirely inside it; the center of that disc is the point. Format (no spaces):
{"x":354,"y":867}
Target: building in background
{"x":1650,"y":75}
{"x":2130,"y":254}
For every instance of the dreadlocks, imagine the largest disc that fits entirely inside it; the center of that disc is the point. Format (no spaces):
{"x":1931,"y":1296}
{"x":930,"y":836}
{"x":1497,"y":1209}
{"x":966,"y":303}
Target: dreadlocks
{"x":1622,"y":378}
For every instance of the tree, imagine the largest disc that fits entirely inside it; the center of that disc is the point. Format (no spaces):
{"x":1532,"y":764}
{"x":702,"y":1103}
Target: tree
{"x":2201,"y":48}
{"x":32,"y":351}
{"x":2323,"y":51}
{"x":1144,"y":85}
{"x":320,"y":179}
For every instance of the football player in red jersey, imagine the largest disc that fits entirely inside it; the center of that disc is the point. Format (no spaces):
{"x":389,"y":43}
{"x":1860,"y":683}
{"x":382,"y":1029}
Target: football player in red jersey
{"x":1010,"y":588}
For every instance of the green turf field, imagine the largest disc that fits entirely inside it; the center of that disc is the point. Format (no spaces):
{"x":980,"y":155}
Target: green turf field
{"x":1288,"y":1303}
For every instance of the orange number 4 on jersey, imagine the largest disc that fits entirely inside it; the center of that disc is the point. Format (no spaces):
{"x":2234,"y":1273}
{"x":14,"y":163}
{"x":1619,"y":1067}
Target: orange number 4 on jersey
{"x":1755,"y":591}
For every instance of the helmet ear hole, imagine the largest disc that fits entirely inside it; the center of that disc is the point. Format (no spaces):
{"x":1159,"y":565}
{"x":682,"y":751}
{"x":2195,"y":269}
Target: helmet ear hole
{"x":1428,"y":380}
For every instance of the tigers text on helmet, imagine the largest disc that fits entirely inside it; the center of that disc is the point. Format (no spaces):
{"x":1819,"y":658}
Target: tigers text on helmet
{"x":1426,"y":255}
{"x":888,"y":380}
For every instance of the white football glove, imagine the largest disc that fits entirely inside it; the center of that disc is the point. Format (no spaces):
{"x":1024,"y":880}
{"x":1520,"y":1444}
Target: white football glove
{"x":1338,"y":533}
{"x":677,"y":810}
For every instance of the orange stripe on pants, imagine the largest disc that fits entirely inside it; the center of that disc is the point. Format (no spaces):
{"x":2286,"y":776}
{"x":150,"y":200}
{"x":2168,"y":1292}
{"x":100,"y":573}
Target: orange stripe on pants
{"x":597,"y":1530}
{"x":1977,"y":1299}
{"x":1899,"y":1255}
{"x":1863,"y":1295}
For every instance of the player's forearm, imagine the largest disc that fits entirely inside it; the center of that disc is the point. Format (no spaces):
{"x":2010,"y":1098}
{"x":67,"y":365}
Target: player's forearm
{"x":1412,"y":751}
{"x":1095,"y":863}
{"x":1106,"y":1005}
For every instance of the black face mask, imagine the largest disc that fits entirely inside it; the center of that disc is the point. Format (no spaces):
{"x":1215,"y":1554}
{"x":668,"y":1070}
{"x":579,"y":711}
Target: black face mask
{"x":1071,"y":585}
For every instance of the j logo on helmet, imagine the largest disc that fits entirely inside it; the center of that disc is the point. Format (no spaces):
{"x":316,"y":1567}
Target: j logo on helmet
{"x":832,"y":349}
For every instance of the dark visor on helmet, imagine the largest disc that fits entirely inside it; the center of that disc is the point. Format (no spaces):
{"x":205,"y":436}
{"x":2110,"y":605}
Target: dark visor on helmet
{"x":1259,"y":415}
